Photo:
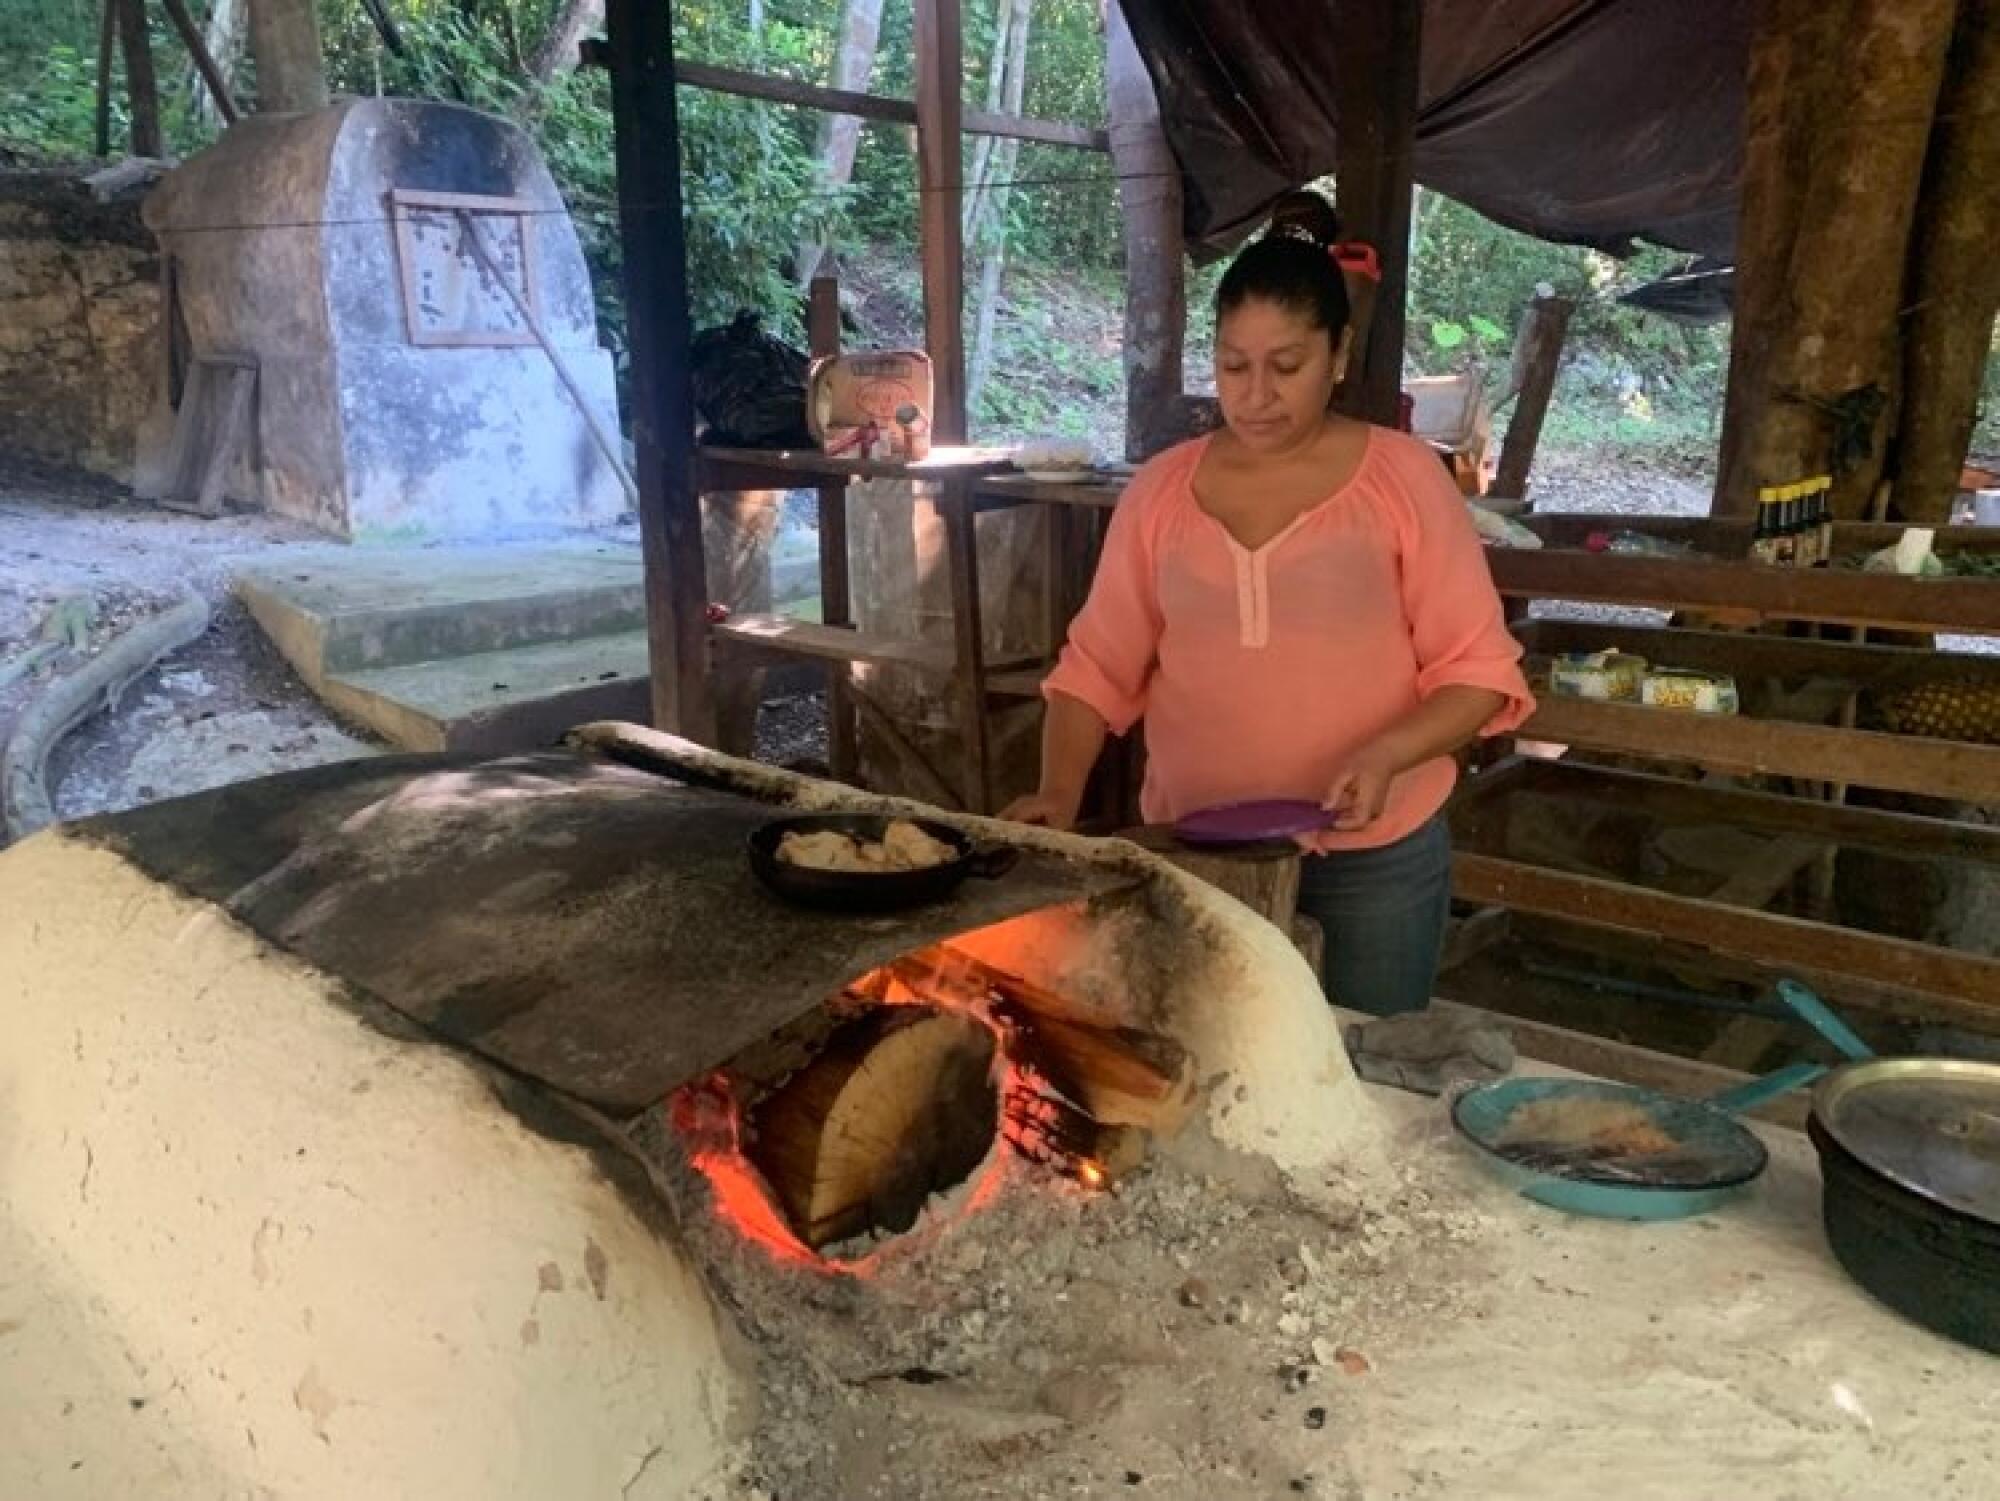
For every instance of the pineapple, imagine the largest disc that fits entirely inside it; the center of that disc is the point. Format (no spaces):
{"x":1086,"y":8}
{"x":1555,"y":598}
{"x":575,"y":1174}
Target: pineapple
{"x":1946,"y":711}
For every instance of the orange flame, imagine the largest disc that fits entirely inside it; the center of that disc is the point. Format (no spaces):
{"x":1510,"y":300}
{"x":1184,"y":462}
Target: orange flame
{"x":707,"y":1115}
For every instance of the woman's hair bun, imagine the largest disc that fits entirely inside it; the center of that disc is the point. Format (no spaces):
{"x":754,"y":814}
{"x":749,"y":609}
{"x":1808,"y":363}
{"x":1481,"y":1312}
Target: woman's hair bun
{"x":1292,"y":265}
{"x":1305,"y":215}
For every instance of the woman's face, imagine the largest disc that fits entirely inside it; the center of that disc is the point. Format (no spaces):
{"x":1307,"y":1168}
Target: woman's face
{"x":1275,"y":372}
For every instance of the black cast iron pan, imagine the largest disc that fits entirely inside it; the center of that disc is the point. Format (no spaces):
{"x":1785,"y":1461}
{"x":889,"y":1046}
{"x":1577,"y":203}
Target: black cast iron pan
{"x":870,"y":891}
{"x":1909,"y":1152}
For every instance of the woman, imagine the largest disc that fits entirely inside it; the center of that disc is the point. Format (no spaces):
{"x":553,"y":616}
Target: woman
{"x":1298,"y":607}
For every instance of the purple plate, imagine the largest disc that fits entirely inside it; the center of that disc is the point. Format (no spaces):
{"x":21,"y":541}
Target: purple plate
{"x":1253,"y":823}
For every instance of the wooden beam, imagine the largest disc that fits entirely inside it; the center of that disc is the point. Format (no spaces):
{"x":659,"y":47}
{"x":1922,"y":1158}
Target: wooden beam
{"x":784,"y":636}
{"x":1764,"y":747}
{"x":1751,"y":655}
{"x":1671,"y":800}
{"x":941,"y":188}
{"x":882,"y":110}
{"x":1375,"y":105}
{"x":1728,"y":540}
{"x":1834,"y":596}
{"x":211,"y":75}
{"x":836,"y":600}
{"x":968,"y":637}
{"x":1537,"y":358}
{"x":1937,"y":984}
{"x":766,"y":469}
{"x":646,"y":140}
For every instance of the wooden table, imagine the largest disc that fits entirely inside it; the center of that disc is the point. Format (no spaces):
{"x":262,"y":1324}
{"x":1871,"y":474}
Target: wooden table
{"x":963,"y":483}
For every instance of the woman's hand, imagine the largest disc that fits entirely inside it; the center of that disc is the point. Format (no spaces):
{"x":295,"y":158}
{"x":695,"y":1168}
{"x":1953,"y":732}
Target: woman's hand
{"x":1048,"y":810}
{"x":1361,"y":788}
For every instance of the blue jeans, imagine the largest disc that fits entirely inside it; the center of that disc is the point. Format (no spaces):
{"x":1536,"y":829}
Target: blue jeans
{"x":1383,"y":912}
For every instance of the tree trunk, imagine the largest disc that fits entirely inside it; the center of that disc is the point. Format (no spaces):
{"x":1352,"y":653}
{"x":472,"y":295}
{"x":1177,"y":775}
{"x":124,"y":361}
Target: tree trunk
{"x":982,"y":146}
{"x":574,"y":20}
{"x":1792,"y":60}
{"x":840,"y":135}
{"x":1149,"y":191}
{"x":1955,"y":273}
{"x":1537,"y":359}
{"x":284,"y":40}
{"x":1846,"y":272}
{"x":141,"y":88}
{"x":993,"y":195}
{"x":107,"y":42}
{"x":222,"y":34}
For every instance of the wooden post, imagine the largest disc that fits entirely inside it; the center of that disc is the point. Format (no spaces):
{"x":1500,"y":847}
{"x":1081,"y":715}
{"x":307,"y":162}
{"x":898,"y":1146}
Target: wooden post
{"x":1375,"y":104}
{"x":941,"y":184}
{"x":141,"y":88}
{"x":1954,"y":273}
{"x":1780,"y":100}
{"x":1149,"y":191}
{"x":1537,"y":356}
{"x":284,"y":42}
{"x":647,"y":143}
{"x":1832,"y":343}
{"x":954,"y":501}
{"x":836,"y":596}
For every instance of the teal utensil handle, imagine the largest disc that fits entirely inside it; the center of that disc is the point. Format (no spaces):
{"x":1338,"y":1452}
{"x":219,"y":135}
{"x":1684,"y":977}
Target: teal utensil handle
{"x":1762,"y":1091}
{"x":1816,"y":1014}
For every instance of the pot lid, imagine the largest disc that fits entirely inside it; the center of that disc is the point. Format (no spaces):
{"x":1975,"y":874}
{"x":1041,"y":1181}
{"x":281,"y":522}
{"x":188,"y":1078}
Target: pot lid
{"x":1930,"y":1124}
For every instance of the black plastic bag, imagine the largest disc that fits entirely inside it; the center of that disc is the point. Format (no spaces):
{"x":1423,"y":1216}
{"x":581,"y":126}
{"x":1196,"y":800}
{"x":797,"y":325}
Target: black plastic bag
{"x":749,"y":386}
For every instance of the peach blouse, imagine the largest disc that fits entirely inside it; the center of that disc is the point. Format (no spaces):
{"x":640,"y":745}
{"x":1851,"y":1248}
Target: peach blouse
{"x":1259,"y":673}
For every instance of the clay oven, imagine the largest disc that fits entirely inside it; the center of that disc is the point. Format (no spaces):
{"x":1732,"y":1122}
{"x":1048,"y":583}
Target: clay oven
{"x":466,"y":1052}
{"x":398,"y":390}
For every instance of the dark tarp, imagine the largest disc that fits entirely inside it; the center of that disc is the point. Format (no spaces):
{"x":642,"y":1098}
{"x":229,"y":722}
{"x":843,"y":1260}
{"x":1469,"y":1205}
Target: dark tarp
{"x":1704,"y":292}
{"x":1586,"y":121}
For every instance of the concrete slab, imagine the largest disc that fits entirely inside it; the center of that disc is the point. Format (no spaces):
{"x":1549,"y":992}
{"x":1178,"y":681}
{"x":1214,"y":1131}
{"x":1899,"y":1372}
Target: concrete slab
{"x":338,"y":611}
{"x":491,"y":648}
{"x":499,"y":701}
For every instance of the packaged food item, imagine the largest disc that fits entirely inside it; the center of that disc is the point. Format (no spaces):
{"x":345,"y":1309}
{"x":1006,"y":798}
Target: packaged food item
{"x":1946,"y":710}
{"x":1496,"y":530}
{"x":876,"y":405}
{"x":1683,"y":688}
{"x":1612,"y":677}
{"x":1764,"y":540}
{"x":1912,"y":555}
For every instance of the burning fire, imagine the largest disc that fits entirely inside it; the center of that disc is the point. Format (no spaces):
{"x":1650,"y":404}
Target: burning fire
{"x":1035,"y":1119}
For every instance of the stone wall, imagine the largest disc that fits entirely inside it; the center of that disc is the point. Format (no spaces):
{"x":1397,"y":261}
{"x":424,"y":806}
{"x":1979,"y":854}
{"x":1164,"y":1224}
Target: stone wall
{"x":80,"y":346}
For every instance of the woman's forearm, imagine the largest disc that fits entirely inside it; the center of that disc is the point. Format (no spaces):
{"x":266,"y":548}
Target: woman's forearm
{"x":1073,"y":736}
{"x":1451,"y":717}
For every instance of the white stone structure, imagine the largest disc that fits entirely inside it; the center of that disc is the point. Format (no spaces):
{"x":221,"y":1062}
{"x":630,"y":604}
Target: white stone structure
{"x":400,"y":394}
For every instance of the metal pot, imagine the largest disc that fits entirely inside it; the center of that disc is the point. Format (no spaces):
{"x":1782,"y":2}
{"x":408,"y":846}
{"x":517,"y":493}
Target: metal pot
{"x":870,"y":891}
{"x":1909,"y":1152}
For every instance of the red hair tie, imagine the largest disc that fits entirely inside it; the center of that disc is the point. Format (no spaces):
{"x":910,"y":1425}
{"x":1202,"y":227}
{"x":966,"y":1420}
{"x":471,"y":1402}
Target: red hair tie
{"x":1357,"y":256}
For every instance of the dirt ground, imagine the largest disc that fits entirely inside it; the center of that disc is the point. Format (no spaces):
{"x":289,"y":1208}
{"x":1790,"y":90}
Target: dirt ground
{"x":74,"y":548}
{"x":223,"y":709}
{"x":1424,"y":1335}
